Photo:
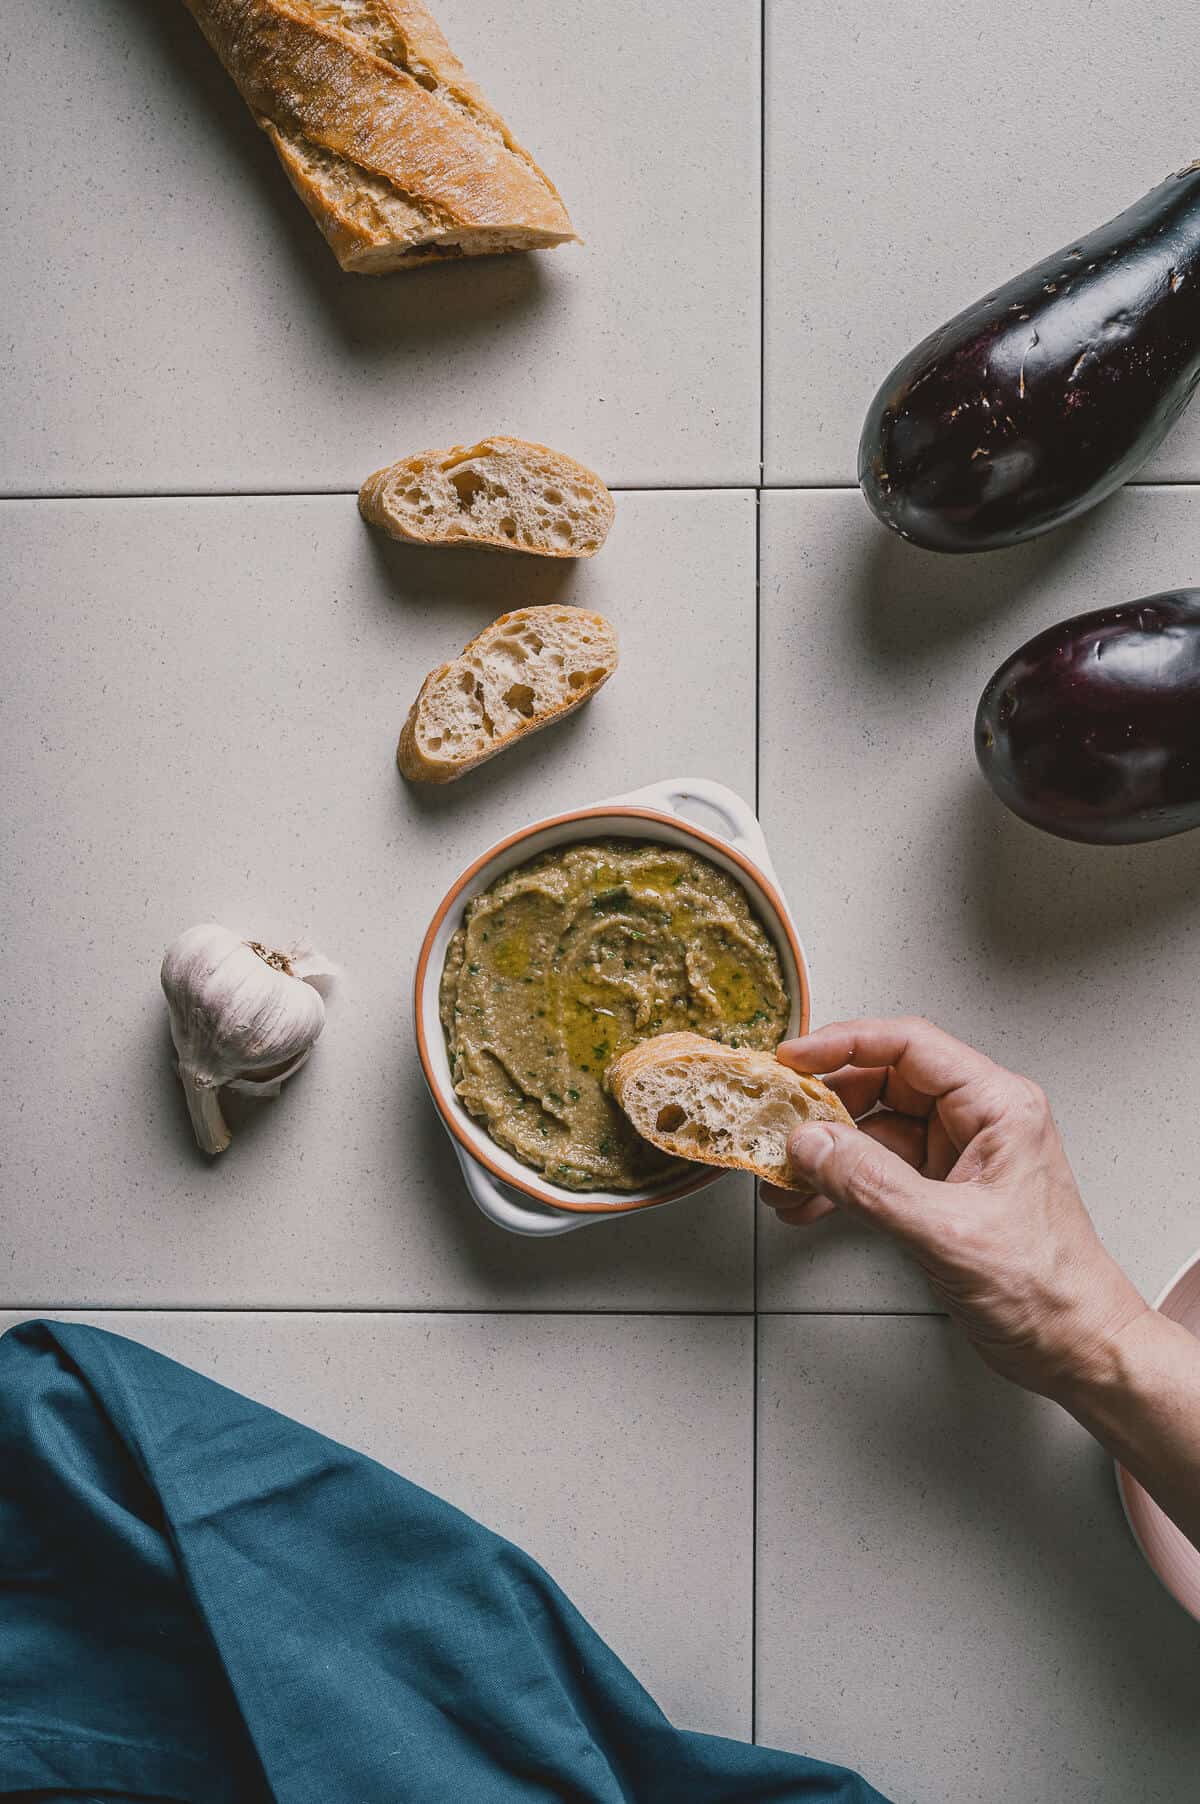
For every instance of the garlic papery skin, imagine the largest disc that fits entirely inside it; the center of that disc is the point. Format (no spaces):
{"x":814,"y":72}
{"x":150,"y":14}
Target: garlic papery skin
{"x":242,"y":1016}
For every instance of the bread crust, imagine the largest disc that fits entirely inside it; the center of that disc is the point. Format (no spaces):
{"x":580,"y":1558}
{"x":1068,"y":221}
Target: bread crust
{"x":372,"y":503}
{"x":419,"y":769}
{"x":394,"y":152}
{"x":812,"y":1100}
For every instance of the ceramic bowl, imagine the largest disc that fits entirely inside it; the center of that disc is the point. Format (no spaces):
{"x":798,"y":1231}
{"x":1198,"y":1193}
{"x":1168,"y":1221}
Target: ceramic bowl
{"x":702,"y":816}
{"x":1169,"y":1553}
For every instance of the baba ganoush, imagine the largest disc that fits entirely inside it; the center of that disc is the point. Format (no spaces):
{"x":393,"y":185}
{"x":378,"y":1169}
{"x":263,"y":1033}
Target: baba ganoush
{"x":570,"y":959}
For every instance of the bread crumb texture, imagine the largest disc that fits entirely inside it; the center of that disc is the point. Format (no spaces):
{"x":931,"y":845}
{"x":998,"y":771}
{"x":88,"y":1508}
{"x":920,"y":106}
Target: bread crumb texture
{"x":715,"y":1105}
{"x":502,"y":492}
{"x":527,"y":669}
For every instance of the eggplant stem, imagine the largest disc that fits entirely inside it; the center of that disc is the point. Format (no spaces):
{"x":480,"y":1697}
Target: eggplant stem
{"x":204,"y":1107}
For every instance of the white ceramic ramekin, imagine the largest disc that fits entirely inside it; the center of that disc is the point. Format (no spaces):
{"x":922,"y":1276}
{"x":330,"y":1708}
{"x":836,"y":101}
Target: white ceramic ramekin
{"x":685,"y":811}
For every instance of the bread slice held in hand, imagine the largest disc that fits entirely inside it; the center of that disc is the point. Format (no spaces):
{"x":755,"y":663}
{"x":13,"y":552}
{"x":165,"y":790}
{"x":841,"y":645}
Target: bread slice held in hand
{"x":527,"y":669}
{"x":389,"y":144}
{"x":502,"y":492}
{"x":719,"y":1105}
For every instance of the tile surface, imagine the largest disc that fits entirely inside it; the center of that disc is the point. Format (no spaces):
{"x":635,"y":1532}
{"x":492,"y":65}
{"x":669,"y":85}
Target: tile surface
{"x":916,"y":892}
{"x":198,"y":715}
{"x":177,"y":322}
{"x":916,"y":157}
{"x":948,"y":1597}
{"x":617,"y":1451}
{"x":201,"y":725}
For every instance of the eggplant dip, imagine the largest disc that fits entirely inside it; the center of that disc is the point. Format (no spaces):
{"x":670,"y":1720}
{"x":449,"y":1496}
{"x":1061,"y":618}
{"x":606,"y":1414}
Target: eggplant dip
{"x":572,"y":958}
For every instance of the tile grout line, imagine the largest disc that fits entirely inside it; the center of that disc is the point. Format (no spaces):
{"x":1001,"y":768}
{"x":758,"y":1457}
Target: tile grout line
{"x":757,"y":488}
{"x":30,"y":1310}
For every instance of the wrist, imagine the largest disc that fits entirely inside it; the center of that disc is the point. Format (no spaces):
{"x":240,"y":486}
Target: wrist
{"x":1099,"y":1347}
{"x":1112,"y":1366}
{"x":1141,"y":1401}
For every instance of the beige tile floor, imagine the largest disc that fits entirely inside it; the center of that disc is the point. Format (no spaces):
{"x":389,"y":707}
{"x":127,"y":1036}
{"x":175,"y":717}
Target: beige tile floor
{"x":760,"y":1463}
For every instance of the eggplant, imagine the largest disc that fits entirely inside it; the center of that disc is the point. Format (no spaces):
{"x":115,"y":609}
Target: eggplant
{"x":1042,"y":398}
{"x":1091,"y":730}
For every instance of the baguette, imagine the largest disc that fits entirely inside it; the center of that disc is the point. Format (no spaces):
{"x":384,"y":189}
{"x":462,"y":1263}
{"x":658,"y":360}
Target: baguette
{"x":502,"y":492}
{"x":525,"y":670}
{"x":393,"y":150}
{"x":719,"y":1105}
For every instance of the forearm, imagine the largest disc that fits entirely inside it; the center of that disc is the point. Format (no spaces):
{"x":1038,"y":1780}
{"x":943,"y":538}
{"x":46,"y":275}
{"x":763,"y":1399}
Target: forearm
{"x":1141,"y":1400}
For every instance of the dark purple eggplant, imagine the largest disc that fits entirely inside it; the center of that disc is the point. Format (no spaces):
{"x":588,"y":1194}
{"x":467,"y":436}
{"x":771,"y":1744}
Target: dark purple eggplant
{"x":1092,"y":730}
{"x":1041,"y":399}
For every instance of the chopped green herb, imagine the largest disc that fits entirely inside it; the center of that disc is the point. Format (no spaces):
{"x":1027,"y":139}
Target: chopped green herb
{"x":474,"y":970}
{"x":600,"y":1051}
{"x":574,"y":1095}
{"x":609,"y":901}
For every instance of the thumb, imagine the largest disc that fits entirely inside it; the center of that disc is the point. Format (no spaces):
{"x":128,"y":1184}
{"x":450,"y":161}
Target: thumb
{"x":858,"y":1173}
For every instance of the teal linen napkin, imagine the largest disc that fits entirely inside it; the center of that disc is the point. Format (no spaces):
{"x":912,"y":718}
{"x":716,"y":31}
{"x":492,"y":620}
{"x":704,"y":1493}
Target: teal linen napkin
{"x":202,"y":1600}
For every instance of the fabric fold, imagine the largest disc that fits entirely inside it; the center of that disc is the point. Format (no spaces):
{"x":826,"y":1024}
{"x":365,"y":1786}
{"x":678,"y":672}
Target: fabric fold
{"x":201,"y":1599}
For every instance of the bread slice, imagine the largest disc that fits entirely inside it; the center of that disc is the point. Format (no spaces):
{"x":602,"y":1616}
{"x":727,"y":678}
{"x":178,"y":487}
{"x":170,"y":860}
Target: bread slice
{"x":502,"y":492}
{"x":525,"y":670}
{"x":719,"y":1105}
{"x":393,"y":150}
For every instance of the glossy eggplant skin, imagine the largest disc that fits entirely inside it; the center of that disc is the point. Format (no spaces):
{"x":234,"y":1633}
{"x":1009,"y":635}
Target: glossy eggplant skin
{"x":1091,"y":731}
{"x":1038,"y":401}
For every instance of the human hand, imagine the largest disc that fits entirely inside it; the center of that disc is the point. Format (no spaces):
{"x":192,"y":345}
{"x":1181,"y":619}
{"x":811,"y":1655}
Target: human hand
{"x":962,"y":1163}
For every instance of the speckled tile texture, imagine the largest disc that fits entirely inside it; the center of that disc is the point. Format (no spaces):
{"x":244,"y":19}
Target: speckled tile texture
{"x":916,"y":157}
{"x":206,"y":662}
{"x":947,"y":1592}
{"x":205,"y":728}
{"x":176,"y":322}
{"x":918,"y":893}
{"x":638,"y":1500}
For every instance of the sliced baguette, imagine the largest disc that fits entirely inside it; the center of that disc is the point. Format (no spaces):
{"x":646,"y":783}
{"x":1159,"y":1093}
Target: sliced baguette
{"x":527,"y":669}
{"x":393,"y":150}
{"x":719,"y":1105}
{"x":502,"y":492}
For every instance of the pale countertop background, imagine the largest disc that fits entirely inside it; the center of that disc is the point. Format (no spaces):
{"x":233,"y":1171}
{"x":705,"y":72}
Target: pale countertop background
{"x":760,"y":1462}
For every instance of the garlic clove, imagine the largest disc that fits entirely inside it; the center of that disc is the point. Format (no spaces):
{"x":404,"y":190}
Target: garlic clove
{"x":312,"y":967}
{"x":243,"y":1016}
{"x":270,"y":1084}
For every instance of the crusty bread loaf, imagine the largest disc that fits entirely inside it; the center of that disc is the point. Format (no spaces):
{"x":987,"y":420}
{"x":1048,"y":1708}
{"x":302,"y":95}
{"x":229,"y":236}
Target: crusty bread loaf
{"x":393,"y":150}
{"x":502,"y":492}
{"x":718,"y":1105}
{"x":525,"y":670}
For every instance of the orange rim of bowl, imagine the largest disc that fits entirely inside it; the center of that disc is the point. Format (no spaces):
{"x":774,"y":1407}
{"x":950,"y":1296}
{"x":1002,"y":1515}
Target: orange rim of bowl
{"x":530,"y":1187}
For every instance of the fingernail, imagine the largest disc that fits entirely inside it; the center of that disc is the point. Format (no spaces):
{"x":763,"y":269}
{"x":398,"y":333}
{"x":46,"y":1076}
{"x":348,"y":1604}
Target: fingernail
{"x":809,"y":1145}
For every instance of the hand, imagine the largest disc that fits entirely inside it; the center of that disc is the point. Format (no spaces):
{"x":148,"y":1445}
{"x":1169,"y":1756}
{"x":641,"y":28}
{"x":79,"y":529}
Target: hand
{"x":962,"y":1164}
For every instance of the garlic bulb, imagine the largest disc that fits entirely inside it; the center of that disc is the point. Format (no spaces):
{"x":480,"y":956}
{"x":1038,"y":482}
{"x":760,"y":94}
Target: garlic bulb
{"x":242,"y":1017}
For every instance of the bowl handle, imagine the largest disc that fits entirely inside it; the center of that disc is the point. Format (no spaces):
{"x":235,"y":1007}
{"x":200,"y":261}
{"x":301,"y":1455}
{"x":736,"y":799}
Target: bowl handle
{"x":501,"y":1206}
{"x":703,"y":803}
